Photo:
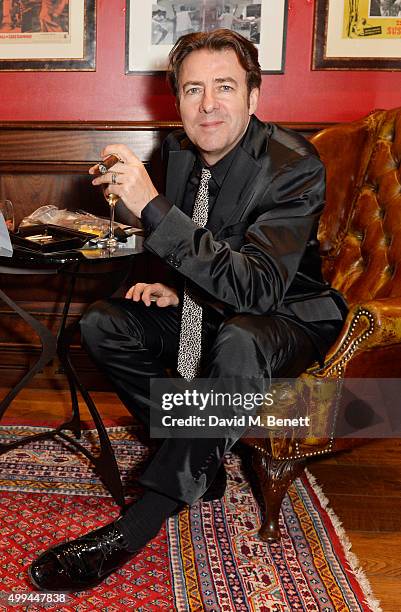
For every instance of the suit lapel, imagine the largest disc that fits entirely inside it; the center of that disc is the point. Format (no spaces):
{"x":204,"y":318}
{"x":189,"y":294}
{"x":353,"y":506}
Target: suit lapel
{"x":235,"y":192}
{"x":240,"y":183}
{"x":180,"y":164}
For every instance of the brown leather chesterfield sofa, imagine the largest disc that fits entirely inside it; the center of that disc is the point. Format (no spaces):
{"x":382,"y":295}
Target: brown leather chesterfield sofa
{"x":360,"y":238}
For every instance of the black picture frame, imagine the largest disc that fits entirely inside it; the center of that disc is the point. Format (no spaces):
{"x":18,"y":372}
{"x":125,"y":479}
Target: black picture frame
{"x":322,"y":60}
{"x":84,"y":22}
{"x":139,"y":25}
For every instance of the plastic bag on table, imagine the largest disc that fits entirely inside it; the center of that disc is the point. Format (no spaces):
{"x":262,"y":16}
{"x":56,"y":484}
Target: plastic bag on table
{"x":81,"y":221}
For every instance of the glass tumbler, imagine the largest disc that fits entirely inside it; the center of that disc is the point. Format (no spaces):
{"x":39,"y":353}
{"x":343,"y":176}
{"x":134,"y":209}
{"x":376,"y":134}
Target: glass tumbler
{"x":7,"y":210}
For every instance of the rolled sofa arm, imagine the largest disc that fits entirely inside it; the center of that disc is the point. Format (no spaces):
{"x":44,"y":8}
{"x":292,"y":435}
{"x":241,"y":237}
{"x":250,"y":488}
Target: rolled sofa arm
{"x":368,"y":325}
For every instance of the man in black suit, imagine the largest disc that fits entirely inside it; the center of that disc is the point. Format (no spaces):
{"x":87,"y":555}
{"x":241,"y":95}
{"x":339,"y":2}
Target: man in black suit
{"x":237,"y":227}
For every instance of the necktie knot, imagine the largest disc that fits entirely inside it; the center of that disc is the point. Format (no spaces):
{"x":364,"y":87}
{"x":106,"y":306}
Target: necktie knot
{"x":206,"y":175}
{"x":201,"y":207}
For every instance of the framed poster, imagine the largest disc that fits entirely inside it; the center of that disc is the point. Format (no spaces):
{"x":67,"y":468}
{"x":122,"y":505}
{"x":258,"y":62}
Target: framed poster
{"x":357,"y":35}
{"x":153,"y":27}
{"x":47,"y":34}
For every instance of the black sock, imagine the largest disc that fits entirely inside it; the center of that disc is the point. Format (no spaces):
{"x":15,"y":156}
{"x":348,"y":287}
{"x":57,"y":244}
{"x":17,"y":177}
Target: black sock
{"x":143,"y":520}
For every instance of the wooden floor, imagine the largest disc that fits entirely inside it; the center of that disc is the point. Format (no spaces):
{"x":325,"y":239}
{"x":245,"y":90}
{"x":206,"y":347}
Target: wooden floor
{"x":363,"y":487}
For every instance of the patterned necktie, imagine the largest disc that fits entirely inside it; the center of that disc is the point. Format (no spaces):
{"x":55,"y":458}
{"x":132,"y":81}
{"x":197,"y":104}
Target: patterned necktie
{"x":189,"y":351}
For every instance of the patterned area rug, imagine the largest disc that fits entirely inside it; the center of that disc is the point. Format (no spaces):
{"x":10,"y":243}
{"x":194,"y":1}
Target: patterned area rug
{"x":209,"y":557}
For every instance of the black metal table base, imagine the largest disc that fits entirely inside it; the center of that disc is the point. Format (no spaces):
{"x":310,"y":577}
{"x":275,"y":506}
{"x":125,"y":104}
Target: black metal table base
{"x":105,"y":462}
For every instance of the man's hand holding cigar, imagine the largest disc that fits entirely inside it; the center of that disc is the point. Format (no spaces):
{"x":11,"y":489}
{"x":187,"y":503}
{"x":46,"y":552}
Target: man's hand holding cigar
{"x":127,"y":178}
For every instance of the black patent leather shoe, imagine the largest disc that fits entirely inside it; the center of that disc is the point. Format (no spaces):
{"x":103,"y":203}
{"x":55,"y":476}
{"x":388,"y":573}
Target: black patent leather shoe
{"x":82,"y":563}
{"x":218,"y":486}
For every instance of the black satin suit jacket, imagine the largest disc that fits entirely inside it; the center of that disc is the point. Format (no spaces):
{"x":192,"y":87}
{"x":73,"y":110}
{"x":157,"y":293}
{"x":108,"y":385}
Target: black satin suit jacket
{"x":259,"y":252}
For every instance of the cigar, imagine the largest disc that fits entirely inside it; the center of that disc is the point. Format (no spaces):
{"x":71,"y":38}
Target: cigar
{"x":40,"y":238}
{"x":103,"y":166}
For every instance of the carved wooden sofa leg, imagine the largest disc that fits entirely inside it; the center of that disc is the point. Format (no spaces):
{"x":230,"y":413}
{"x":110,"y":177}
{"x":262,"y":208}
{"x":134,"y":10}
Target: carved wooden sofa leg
{"x":274,"y":476}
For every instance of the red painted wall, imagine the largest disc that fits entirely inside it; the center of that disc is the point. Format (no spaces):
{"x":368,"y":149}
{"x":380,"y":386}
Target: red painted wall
{"x":107,"y":94}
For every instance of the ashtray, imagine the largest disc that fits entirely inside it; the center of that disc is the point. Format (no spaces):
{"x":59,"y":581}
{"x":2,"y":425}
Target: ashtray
{"x":47,"y":238}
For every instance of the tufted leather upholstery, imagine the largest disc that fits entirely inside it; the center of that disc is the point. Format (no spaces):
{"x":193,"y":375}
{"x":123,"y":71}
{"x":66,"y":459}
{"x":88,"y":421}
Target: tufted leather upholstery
{"x":360,"y":235}
{"x":360,"y":238}
{"x":360,"y":229}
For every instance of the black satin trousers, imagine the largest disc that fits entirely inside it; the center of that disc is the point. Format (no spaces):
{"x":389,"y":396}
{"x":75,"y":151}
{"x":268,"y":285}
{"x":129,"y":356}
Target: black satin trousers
{"x":132,"y":343}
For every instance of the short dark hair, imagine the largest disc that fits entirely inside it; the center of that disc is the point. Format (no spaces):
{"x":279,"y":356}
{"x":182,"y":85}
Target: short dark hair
{"x":217,"y":40}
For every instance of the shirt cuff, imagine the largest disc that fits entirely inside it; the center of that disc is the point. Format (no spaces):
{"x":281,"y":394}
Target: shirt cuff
{"x":154,"y":212}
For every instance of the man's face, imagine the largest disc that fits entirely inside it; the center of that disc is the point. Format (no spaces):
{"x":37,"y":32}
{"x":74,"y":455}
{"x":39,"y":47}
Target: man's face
{"x":213,"y":101}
